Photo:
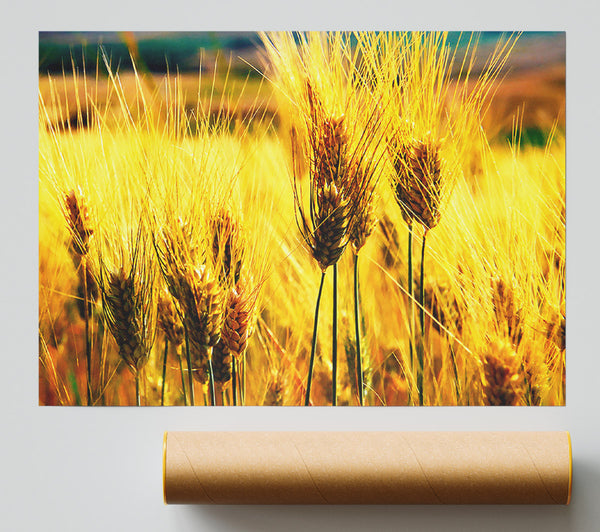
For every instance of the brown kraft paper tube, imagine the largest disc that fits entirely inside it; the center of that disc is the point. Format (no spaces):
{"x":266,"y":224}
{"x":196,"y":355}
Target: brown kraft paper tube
{"x":367,"y":468}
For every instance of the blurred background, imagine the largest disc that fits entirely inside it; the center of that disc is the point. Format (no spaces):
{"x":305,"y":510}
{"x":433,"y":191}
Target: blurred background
{"x":533,"y":86}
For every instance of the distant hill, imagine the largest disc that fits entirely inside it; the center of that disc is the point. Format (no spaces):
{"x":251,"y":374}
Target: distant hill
{"x":159,"y":51}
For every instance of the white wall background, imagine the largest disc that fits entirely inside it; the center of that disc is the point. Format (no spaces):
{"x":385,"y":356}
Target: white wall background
{"x":100,"y":469}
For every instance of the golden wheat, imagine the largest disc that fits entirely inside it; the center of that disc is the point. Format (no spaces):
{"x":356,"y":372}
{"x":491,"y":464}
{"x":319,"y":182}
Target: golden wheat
{"x":374,"y":127}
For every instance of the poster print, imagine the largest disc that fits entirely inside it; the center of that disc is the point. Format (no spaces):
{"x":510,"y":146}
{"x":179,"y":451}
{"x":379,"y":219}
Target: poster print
{"x":302,"y":219}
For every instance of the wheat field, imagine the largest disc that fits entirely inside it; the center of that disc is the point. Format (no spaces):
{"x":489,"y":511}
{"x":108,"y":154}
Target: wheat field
{"x":346,"y":231}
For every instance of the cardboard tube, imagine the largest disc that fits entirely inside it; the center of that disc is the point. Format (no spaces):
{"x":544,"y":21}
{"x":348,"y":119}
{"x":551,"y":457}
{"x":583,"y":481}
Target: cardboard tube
{"x":367,"y":467}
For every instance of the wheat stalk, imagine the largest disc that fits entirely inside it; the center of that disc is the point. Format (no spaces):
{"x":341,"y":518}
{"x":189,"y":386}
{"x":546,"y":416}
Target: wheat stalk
{"x":325,"y":229}
{"x":227,"y":245}
{"x":334,"y":136}
{"x":418,"y":186}
{"x":507,"y":310}
{"x":169,"y":323}
{"x":201,"y":302}
{"x":127,"y":297}
{"x":363,"y":225}
{"x":78,"y":222}
{"x":238,"y":324}
{"x":176,"y":252}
